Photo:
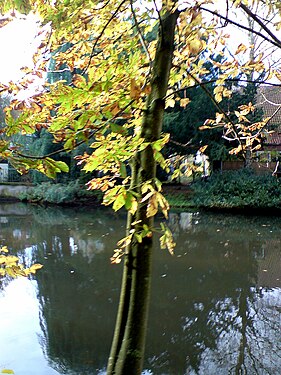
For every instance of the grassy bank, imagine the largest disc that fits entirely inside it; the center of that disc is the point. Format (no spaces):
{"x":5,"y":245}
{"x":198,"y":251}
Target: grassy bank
{"x":238,"y":190}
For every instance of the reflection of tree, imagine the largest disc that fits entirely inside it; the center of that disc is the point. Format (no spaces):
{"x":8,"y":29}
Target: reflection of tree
{"x":77,"y":287}
{"x":77,"y":309}
{"x":78,"y":295}
{"x":207,"y":315}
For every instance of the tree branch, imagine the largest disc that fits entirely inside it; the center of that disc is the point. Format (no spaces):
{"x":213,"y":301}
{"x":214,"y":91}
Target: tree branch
{"x":77,"y":144}
{"x":204,"y":83}
{"x":277,"y":44}
{"x":221,"y":110}
{"x":262,"y":25}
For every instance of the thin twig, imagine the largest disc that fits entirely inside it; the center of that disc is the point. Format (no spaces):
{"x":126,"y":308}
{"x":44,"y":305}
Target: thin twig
{"x":221,"y":110}
{"x":204,"y":83}
{"x":260,"y":130}
{"x":181,"y":144}
{"x":249,"y":29}
{"x":142,"y":40}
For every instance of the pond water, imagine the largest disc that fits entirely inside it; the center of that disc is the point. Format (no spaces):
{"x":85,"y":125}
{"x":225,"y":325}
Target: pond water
{"x":215,"y":305}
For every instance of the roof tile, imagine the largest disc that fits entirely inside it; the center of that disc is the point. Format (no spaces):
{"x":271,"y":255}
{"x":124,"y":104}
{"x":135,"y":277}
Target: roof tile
{"x":269,"y":99}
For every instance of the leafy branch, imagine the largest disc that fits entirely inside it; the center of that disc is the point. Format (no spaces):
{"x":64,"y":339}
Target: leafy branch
{"x":113,"y":16}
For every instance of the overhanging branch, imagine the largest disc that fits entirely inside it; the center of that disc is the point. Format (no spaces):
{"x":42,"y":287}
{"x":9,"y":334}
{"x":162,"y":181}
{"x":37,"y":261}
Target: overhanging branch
{"x":249,"y":29}
{"x":261,"y":23}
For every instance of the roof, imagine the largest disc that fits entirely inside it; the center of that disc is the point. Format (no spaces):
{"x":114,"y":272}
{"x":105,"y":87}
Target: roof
{"x":273,"y":139}
{"x":269,"y":100}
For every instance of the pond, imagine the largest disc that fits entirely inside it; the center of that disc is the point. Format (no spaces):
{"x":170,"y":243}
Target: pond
{"x":215,"y":304}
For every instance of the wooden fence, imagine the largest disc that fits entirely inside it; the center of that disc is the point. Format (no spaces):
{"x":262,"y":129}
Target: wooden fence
{"x":259,"y":168}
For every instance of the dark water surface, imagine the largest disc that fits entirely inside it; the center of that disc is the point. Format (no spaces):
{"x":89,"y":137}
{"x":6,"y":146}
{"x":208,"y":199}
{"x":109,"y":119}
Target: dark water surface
{"x":215,"y":307}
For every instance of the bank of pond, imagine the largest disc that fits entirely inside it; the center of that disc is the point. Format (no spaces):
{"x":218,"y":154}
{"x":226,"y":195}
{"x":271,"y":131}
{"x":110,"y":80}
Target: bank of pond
{"x":239,"y":191}
{"x":215,"y":304}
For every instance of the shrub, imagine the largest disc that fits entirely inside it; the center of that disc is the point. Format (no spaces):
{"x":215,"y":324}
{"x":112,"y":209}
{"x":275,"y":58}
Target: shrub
{"x":238,"y":189}
{"x":59,"y":193}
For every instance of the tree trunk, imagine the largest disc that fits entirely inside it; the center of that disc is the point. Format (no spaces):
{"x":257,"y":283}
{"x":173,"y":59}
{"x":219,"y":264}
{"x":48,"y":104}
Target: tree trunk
{"x":127,"y":351}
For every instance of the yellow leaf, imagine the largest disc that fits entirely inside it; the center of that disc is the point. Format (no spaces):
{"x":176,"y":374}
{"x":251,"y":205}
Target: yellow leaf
{"x":203,"y":148}
{"x":163,"y":204}
{"x":152,"y":207}
{"x":195,"y":46}
{"x":218,"y":97}
{"x":125,"y":241}
{"x":219,"y":117}
{"x":241,"y":48}
{"x":167,"y":241}
{"x":119,"y":202}
{"x":116,"y":260}
{"x":135,"y":90}
{"x":79,"y":81}
{"x":134,"y":207}
{"x":4,"y":249}
{"x":184,"y":102}
{"x":35,"y":267}
{"x":170,"y":102}
{"x":7,"y":371}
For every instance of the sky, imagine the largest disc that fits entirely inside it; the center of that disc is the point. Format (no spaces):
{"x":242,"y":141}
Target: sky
{"x":17,"y":45}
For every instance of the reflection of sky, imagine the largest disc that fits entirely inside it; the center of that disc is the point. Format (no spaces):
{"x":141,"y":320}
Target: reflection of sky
{"x":19,"y":330}
{"x":258,"y":335}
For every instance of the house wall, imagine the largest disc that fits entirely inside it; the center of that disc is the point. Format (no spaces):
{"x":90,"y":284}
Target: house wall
{"x":4,"y":172}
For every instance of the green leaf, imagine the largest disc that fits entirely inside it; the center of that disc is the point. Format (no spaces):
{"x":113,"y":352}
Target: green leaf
{"x":119,"y":202}
{"x":123,"y":170}
{"x":62,"y":166}
{"x":138,"y":237}
{"x":22,"y":6}
{"x":69,"y":144}
{"x":117,"y":129}
{"x":92,"y":164}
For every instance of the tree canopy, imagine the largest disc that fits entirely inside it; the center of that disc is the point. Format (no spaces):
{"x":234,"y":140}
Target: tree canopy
{"x":98,"y":73}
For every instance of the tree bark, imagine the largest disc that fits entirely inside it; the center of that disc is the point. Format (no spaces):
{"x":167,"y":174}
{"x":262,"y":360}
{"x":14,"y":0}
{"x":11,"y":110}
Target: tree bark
{"x":127,"y":351}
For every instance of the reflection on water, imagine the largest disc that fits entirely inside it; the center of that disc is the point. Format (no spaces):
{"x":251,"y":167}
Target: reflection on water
{"x":215,"y":307}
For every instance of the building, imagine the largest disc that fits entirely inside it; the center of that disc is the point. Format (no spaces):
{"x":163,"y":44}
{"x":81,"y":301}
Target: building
{"x":269,"y":100}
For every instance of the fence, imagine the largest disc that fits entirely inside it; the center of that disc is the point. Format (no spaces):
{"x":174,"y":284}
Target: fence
{"x":259,"y":168}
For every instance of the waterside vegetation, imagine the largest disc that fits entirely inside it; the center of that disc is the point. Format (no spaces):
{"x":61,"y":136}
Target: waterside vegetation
{"x":232,"y":190}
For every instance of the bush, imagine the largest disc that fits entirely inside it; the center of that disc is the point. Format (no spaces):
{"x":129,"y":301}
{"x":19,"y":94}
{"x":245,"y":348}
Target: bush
{"x":239,"y":189}
{"x":59,"y":193}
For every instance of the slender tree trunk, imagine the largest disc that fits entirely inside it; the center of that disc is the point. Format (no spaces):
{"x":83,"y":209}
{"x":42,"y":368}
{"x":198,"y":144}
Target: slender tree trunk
{"x":127,"y":351}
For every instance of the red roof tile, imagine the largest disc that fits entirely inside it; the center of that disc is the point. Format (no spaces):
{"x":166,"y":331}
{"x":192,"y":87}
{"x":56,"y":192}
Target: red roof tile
{"x":273,"y":139}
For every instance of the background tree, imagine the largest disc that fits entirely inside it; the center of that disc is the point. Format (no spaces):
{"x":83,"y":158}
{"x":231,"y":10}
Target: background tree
{"x":184,"y":123}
